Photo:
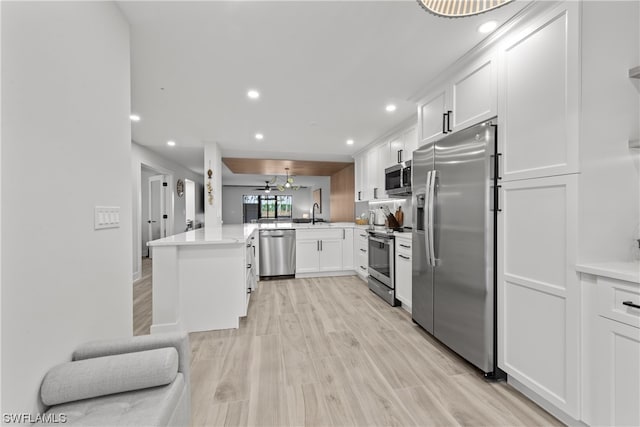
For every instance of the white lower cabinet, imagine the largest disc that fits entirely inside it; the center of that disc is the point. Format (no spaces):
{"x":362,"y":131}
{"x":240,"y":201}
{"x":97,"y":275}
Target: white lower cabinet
{"x":360,"y":253}
{"x":322,"y":250}
{"x":538,"y":289}
{"x":330,"y":255}
{"x":612,"y":369}
{"x":347,"y":250}
{"x":403,"y":272}
{"x":307,"y":255}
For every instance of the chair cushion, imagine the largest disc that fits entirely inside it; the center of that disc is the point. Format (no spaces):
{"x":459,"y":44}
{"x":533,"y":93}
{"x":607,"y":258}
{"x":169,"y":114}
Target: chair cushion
{"x":100,"y":376}
{"x":149,"y":407}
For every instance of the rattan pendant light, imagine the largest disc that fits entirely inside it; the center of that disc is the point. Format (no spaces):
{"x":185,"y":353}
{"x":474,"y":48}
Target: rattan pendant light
{"x":459,"y":8}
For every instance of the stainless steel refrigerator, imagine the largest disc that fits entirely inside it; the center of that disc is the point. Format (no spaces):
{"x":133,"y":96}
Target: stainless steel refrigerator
{"x":454,"y":223}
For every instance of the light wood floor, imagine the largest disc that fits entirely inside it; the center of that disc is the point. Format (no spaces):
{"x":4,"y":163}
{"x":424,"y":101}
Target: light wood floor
{"x":142,"y":300}
{"x":327,"y":351}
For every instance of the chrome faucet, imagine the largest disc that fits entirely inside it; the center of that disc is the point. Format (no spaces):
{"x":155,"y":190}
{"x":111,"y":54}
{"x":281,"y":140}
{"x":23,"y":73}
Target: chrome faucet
{"x":313,"y":213}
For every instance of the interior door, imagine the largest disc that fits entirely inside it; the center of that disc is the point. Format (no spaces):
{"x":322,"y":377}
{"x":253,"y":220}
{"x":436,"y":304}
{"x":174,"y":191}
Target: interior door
{"x":156,"y":222}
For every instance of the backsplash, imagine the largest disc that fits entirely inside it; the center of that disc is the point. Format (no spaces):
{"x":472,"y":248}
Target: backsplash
{"x":393,"y":205}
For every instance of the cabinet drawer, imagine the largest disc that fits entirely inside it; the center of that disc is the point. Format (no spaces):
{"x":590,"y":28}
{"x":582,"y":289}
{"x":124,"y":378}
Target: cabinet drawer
{"x":612,"y":296}
{"x":403,"y":247}
{"x":320,"y":234}
{"x":362,"y":265}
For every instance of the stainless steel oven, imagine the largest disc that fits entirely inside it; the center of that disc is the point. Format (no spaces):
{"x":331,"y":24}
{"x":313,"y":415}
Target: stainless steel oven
{"x":382,"y":266}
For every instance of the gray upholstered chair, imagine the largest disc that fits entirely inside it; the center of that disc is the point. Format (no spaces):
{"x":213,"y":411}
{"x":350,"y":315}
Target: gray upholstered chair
{"x":139,"y":381}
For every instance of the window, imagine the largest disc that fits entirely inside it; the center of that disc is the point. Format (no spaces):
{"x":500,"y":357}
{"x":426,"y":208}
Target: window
{"x":257,"y":207}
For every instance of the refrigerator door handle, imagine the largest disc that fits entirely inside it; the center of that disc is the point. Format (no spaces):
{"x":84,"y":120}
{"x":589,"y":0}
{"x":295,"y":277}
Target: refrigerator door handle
{"x":432,"y":194}
{"x":426,"y":218}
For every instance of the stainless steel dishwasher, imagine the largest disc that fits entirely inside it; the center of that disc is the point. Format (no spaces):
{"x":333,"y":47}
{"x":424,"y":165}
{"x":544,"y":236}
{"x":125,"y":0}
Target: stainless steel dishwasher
{"x":277,"y":253}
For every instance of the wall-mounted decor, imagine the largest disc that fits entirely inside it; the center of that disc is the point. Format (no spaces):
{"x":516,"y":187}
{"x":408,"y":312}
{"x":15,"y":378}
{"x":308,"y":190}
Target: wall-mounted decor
{"x":317,"y":198}
{"x":210,"y":186}
{"x":180,"y":188}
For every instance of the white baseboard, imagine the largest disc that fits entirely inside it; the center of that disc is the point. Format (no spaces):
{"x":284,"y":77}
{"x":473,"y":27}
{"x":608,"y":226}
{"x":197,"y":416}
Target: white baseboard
{"x":166,"y":327}
{"x":325,"y":274}
{"x":544,"y":404}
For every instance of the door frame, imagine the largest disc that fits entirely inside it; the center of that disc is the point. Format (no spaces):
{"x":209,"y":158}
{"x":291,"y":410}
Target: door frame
{"x":163,"y":207}
{"x":137,"y":195}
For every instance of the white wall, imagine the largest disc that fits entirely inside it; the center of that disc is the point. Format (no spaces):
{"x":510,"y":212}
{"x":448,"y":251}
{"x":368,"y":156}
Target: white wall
{"x":610,"y":171}
{"x":232,"y":202}
{"x":143,"y":156}
{"x":65,"y":149}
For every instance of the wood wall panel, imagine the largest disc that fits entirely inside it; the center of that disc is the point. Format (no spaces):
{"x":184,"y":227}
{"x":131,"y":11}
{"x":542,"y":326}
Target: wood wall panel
{"x":341,"y":197}
{"x":277,"y":167}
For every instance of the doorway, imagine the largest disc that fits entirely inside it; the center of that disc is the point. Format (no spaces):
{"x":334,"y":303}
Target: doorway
{"x":190,"y":203}
{"x":153,"y":218}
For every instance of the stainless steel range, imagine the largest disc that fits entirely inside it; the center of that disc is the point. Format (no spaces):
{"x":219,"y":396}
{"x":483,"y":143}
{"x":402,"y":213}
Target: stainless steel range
{"x":382,"y":266}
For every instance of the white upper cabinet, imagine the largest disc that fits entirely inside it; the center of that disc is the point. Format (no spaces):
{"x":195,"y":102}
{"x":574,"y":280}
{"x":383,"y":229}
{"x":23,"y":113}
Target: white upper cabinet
{"x":432,"y":116}
{"x":539,"y":97}
{"x":474,"y":94}
{"x":359,"y":171}
{"x":468,"y":98}
{"x":370,"y":164}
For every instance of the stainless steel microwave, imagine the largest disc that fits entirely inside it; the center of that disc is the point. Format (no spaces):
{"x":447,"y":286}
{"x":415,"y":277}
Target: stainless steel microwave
{"x":397,"y":179}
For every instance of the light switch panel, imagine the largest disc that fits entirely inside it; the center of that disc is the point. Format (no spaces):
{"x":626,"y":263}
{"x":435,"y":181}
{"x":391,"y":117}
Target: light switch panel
{"x":106,"y":217}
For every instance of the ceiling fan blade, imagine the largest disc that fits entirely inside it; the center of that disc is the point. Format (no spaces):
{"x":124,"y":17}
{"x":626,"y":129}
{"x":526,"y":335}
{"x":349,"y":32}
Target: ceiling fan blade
{"x":273,"y":180}
{"x":280,"y":187}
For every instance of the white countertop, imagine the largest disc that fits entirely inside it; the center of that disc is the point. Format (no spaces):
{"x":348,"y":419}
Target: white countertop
{"x":227,"y":234}
{"x":238,"y":233}
{"x":621,"y":270}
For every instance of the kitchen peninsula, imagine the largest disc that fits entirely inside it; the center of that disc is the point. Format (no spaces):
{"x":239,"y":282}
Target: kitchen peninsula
{"x":203,"y":279}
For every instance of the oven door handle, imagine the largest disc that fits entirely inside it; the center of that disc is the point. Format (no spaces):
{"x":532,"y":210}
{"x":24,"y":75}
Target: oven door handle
{"x":379,"y":240}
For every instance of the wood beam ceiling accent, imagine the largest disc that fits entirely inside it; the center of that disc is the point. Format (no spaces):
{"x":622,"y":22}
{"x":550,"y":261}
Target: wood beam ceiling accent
{"x":277,"y":167}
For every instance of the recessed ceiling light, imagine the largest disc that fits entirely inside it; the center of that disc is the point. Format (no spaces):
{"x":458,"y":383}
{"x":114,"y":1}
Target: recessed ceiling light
{"x":487,"y":27}
{"x":349,"y":141}
{"x":253,"y":94}
{"x":134,"y":117}
{"x":171,"y":143}
{"x":259,"y":136}
{"x":390,"y":108}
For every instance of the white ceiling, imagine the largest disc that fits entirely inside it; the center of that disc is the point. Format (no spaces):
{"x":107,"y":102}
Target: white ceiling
{"x":325,"y":71}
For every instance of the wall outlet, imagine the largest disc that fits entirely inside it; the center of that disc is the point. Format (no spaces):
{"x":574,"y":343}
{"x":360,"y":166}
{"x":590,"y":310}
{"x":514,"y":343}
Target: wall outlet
{"x":106,"y":217}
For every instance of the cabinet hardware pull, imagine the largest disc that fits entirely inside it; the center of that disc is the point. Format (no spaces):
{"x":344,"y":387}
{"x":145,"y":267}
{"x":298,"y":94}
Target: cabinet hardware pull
{"x":630,"y":304}
{"x":363,"y":235}
{"x":320,"y":244}
{"x":449,"y":120}
{"x":248,"y":290}
{"x":405,"y":246}
{"x":254,"y":251}
{"x":248,"y":245}
{"x":363,"y":250}
{"x":444,"y":123}
{"x":359,"y":195}
{"x":375,"y":193}
{"x":363,"y":268}
{"x":248,"y":265}
{"x":495,"y":169}
{"x":495,"y":206}
{"x":343,"y":234}
{"x":404,"y":257}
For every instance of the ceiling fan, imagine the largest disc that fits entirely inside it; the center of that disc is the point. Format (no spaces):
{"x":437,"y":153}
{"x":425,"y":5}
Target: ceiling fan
{"x":268,"y":185}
